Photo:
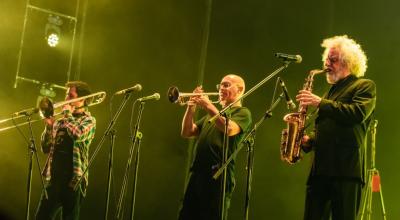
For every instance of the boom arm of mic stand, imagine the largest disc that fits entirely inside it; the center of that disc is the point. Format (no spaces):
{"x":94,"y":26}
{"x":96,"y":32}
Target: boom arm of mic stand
{"x":268,"y":114}
{"x":266,"y":79}
{"x":103,"y":138}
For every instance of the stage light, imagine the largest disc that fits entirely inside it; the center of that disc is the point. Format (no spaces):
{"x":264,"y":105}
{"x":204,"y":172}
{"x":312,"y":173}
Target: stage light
{"x":53,"y":30}
{"x":52,"y":40}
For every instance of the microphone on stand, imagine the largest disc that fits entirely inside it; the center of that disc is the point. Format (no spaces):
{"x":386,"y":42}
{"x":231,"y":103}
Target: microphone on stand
{"x":289,"y":57}
{"x":289,"y":101}
{"x":155,"y":96}
{"x":135,"y":88}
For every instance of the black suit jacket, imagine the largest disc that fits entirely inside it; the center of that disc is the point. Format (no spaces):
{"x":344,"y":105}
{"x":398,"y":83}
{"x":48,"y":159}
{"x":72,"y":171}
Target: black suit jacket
{"x":341,"y":126}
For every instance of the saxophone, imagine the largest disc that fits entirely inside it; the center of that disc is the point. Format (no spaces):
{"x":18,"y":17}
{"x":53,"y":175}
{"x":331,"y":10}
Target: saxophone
{"x":292,"y":136}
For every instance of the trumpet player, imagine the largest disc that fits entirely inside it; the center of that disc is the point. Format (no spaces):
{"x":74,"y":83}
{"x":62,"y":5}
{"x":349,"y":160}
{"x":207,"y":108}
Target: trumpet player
{"x":66,"y":141}
{"x":344,"y":114}
{"x":203,"y":194}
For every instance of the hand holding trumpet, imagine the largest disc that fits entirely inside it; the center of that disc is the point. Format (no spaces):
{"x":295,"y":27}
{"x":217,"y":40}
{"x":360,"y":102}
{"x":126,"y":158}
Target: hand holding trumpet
{"x":196,"y":98}
{"x":201,"y":100}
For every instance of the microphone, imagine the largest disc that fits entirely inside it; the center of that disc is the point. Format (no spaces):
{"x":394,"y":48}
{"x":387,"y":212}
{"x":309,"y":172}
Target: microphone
{"x":289,"y":57}
{"x":135,"y":88}
{"x":155,"y":96}
{"x":289,"y":102}
{"x":26,"y":112}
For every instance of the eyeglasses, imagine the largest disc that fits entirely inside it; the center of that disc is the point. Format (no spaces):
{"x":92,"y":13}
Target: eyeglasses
{"x":224,"y":85}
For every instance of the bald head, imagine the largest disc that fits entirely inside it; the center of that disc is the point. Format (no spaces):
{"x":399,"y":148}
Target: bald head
{"x":231,"y":88}
{"x":235,"y":79}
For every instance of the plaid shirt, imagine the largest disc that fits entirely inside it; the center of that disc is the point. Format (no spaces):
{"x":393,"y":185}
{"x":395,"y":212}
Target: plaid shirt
{"x":81,"y":130}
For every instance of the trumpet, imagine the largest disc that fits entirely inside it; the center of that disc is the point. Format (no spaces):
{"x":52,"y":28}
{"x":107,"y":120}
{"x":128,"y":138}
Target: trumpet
{"x":47,"y":109}
{"x":181,"y":98}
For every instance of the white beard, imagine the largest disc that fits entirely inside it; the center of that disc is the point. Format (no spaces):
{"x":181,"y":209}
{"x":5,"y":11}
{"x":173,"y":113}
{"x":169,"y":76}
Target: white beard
{"x":332,"y":78}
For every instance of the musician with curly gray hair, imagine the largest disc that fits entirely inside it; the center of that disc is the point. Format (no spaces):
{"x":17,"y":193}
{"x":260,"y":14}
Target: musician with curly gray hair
{"x":339,"y":138}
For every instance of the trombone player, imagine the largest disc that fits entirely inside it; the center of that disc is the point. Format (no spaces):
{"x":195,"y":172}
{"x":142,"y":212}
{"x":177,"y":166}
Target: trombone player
{"x":66,"y":141}
{"x":203,"y":194}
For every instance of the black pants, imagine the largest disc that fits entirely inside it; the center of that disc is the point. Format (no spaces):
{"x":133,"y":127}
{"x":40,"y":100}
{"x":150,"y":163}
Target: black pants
{"x":202,"y":199}
{"x":326,"y":196}
{"x":60,"y":197}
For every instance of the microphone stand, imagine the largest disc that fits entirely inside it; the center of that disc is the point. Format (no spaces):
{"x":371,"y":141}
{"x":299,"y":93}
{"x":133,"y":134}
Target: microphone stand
{"x":249,"y":140}
{"x":110,"y":169}
{"x":137,"y":136}
{"x":373,"y":183}
{"x":221,"y":113}
{"x":225,"y":146}
{"x":32,"y":151}
{"x":266,"y":79}
{"x":99,"y":145}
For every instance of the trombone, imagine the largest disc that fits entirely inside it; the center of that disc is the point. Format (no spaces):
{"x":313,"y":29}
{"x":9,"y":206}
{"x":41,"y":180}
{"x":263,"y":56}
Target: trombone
{"x":47,"y":109}
{"x":181,"y":98}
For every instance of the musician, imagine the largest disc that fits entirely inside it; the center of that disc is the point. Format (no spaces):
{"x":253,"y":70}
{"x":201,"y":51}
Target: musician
{"x":344,"y":114}
{"x":202,"y":198}
{"x":66,"y":141}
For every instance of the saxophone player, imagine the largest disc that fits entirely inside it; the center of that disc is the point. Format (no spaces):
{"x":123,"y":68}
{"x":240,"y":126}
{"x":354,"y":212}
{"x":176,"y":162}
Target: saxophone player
{"x":344,"y":113}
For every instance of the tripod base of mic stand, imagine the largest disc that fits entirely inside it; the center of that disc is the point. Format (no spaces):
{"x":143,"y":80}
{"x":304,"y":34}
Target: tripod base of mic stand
{"x":373,"y":185}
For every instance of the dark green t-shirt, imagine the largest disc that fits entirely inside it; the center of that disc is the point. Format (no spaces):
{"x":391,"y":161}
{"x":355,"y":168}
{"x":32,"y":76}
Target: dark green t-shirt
{"x":209,"y":143}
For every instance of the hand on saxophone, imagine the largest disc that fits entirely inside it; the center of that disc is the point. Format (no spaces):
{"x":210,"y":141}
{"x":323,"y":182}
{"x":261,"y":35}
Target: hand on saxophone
{"x":306,"y":98}
{"x":306,"y":143}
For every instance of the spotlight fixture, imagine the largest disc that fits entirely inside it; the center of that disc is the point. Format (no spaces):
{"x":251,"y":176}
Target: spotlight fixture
{"x":46,"y":91}
{"x":53,"y":30}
